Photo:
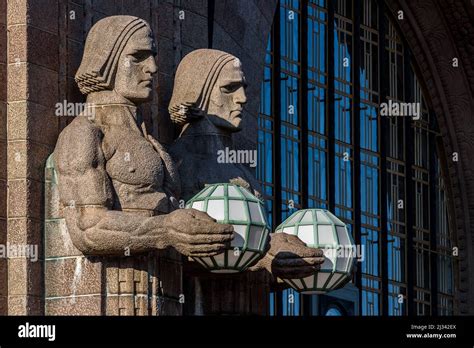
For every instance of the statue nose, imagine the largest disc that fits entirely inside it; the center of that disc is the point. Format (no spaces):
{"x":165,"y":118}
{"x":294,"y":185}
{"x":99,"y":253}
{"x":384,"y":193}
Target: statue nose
{"x":240,"y":97}
{"x":151,"y":66}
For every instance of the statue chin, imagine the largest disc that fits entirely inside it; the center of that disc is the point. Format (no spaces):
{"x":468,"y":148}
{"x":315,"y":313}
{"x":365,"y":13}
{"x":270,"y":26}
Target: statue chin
{"x":140,"y":99}
{"x":233,"y":125}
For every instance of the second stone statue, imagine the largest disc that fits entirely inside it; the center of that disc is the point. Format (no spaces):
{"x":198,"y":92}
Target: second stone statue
{"x":208,"y":100}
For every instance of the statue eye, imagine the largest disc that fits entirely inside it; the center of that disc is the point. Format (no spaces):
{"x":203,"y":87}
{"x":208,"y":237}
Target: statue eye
{"x":141,"y":55}
{"x":230,"y":88}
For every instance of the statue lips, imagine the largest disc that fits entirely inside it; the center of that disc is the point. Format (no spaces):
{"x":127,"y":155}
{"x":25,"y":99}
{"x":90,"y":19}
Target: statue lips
{"x":147,"y":83}
{"x":236,"y":114}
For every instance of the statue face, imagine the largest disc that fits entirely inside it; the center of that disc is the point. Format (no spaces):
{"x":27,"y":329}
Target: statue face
{"x":136,"y":66}
{"x":228,"y":97}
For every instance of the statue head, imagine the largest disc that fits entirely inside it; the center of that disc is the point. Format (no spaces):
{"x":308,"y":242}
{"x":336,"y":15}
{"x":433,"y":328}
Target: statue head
{"x":209,"y":83}
{"x":119,"y":55}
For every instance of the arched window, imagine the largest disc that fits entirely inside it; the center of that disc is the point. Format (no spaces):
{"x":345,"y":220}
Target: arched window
{"x":333,"y":67}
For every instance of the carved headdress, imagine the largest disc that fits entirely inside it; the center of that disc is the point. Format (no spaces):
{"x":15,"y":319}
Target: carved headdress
{"x":104,"y":45}
{"x":195,"y":78}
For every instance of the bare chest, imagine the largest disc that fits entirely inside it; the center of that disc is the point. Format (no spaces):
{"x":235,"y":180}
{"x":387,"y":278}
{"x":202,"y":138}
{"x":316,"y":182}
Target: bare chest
{"x":136,"y":170}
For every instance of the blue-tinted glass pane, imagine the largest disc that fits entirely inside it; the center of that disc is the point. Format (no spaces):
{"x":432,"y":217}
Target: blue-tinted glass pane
{"x":343,"y":176}
{"x":289,"y":99}
{"x":317,"y":43}
{"x":317,"y":182}
{"x":316,"y":109}
{"x":289,"y":36}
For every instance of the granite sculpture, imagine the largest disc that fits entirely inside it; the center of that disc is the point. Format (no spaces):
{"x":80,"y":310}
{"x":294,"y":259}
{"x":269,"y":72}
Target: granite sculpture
{"x":207,"y":102}
{"x":117,"y":184}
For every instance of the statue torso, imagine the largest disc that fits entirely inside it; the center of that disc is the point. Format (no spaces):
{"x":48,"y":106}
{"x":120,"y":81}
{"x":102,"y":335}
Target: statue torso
{"x":135,"y":168}
{"x":197,"y":160}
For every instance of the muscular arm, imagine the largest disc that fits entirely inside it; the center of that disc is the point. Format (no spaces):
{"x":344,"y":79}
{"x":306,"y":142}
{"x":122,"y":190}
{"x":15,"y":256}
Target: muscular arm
{"x":87,"y":196}
{"x":98,"y":231}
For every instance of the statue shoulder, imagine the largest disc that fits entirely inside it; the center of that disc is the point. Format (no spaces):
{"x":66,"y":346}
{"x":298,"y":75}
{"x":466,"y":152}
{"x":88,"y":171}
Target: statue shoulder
{"x":79,"y":146}
{"x":81,"y":129}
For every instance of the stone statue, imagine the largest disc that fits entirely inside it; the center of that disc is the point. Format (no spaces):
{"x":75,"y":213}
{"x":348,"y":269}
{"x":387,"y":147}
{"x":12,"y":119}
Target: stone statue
{"x":208,"y":99}
{"x":117,"y":184}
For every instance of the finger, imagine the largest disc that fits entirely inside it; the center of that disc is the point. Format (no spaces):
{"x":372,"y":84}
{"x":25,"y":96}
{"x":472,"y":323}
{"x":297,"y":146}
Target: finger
{"x":205,"y":238}
{"x":206,"y":227}
{"x":291,"y":238}
{"x":281,"y":237}
{"x":207,"y":224}
{"x":284,"y":240}
{"x":205,"y":254}
{"x":292,"y":273}
{"x":207,"y":248}
{"x":298,"y":262}
{"x":291,"y":252}
{"x":200,"y":215}
{"x":202,"y":248}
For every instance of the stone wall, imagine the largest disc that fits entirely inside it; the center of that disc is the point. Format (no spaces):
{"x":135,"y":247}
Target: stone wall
{"x":3,"y":152}
{"x":31,"y":131}
{"x":45,"y":42}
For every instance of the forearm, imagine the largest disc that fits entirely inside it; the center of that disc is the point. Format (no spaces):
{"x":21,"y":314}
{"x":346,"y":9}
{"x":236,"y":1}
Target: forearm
{"x":108,"y":232}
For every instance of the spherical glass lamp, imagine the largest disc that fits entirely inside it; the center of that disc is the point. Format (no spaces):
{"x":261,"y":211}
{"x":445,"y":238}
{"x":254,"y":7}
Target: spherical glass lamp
{"x":235,"y":205}
{"x":319,"y":228}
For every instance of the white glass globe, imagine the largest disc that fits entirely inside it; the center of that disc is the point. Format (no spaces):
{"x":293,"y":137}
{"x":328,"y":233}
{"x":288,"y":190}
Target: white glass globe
{"x":319,"y":228}
{"x":235,"y":205}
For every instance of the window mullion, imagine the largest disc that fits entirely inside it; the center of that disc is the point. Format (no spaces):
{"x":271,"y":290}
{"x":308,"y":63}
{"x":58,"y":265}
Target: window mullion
{"x":303,"y":121}
{"x":357,"y":10}
{"x":382,"y":130}
{"x":303,"y":101}
{"x":330,"y":114}
{"x":276,"y":160}
{"x":410,"y":186}
{"x":432,"y":220}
